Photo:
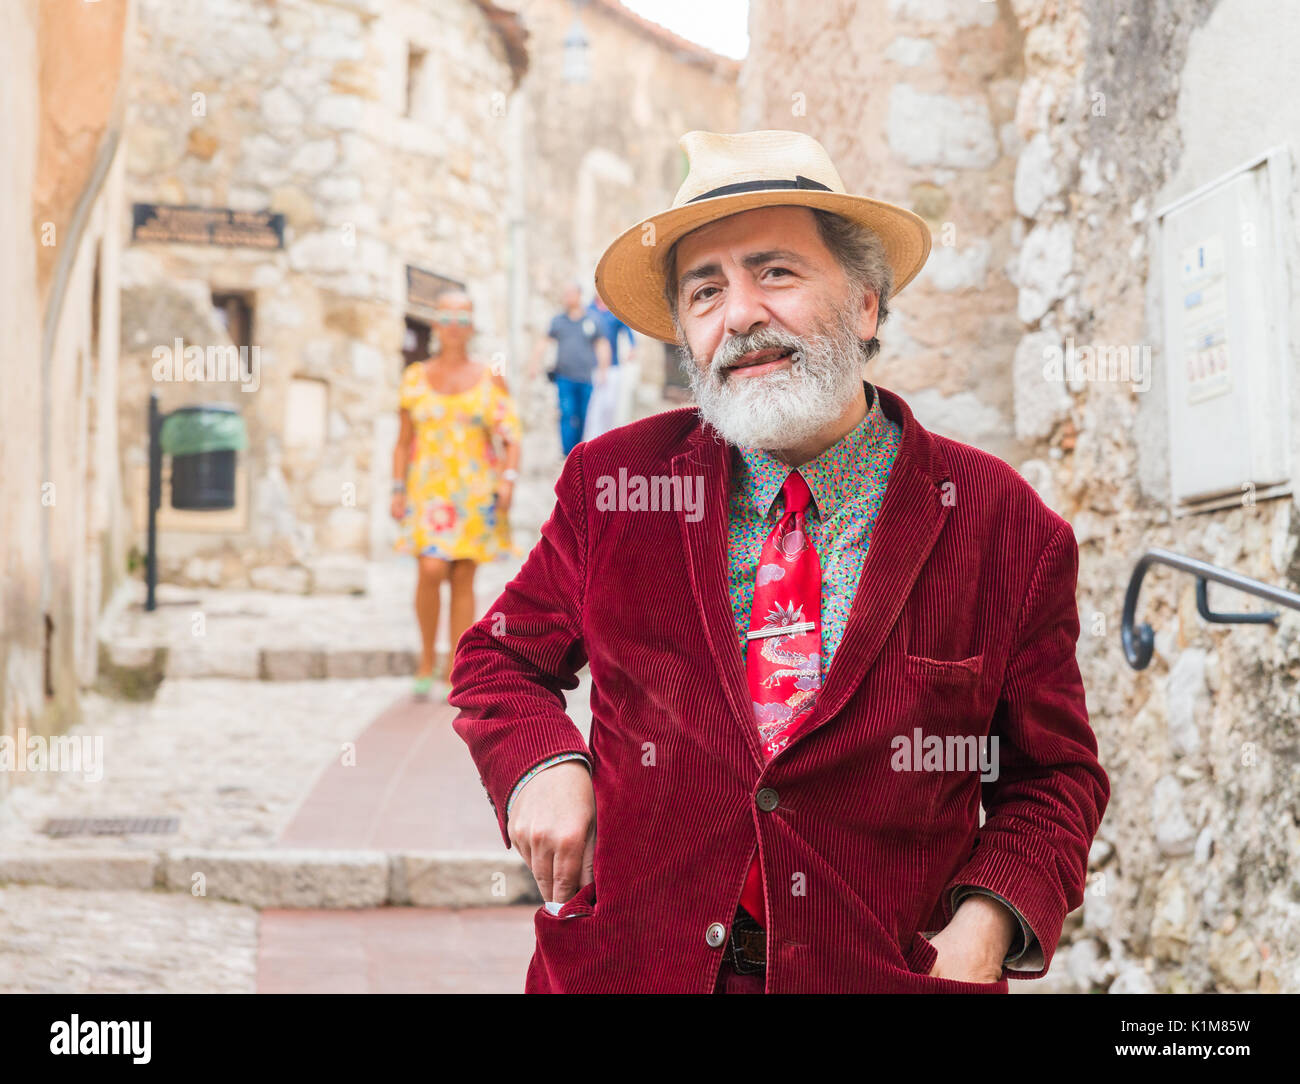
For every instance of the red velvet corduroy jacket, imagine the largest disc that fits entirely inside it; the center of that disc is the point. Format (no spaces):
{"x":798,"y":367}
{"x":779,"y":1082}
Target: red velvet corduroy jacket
{"x":964,"y":624}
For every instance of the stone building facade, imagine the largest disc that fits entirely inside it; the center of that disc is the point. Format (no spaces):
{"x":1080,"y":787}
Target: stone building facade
{"x":406,"y":144}
{"x":62,"y":533}
{"x":378,"y":132}
{"x":1046,"y":137}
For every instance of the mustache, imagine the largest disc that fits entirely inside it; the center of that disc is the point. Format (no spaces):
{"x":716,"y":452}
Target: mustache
{"x":735,"y":348}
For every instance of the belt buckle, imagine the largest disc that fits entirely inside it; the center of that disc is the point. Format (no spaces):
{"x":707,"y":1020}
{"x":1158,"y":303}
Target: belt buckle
{"x":744,"y":966}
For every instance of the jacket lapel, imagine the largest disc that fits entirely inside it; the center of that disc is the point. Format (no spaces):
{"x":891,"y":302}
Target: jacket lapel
{"x":907,"y":526}
{"x":705,"y":540}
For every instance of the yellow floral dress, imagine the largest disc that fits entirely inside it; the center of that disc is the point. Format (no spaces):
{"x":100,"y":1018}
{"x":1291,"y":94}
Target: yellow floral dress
{"x":452,"y":476}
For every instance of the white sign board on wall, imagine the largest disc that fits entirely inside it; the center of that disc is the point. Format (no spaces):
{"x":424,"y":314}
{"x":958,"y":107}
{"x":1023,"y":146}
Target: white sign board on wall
{"x":1225,"y":334}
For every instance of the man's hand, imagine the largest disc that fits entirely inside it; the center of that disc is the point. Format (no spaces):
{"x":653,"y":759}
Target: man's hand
{"x":553,"y":826}
{"x":973,"y":945}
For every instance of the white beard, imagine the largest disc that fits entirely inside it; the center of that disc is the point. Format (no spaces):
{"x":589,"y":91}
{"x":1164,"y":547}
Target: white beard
{"x":788,"y":407}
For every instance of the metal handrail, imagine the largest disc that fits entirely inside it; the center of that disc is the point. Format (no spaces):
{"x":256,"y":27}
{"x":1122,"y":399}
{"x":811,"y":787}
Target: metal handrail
{"x":1139,"y":643}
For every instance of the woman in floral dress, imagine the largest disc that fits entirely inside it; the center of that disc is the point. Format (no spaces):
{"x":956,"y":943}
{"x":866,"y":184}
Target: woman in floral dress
{"x":454,"y":471}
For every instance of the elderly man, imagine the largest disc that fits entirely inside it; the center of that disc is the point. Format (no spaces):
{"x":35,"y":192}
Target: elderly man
{"x":819,"y":637}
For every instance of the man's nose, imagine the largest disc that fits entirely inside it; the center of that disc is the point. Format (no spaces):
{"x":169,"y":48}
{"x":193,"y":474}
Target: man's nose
{"x":746,"y":309}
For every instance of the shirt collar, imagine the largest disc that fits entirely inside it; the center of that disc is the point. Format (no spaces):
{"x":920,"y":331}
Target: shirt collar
{"x":834,"y":477}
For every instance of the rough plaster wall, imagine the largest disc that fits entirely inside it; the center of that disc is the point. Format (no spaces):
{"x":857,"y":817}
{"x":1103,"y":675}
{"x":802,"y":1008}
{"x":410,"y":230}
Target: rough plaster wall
{"x":81,"y":50}
{"x":1192,"y":886}
{"x":61,"y":64}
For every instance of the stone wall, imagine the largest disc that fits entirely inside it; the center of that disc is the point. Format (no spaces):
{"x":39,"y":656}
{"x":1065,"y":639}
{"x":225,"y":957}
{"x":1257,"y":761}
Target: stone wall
{"x":1195,"y":887}
{"x":1051,"y":130}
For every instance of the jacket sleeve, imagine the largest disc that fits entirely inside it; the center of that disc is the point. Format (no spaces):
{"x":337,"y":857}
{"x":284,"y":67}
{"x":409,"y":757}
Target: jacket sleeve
{"x":1043,"y":809}
{"x":512,"y":665}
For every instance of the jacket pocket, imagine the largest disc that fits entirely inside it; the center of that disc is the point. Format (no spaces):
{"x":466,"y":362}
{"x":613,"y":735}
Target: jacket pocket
{"x":943,"y":695}
{"x":921,"y":955}
{"x":582,"y":905}
{"x":960,"y":673}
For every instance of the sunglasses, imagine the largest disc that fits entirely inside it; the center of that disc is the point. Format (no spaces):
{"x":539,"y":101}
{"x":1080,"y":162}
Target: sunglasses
{"x":448,"y":317}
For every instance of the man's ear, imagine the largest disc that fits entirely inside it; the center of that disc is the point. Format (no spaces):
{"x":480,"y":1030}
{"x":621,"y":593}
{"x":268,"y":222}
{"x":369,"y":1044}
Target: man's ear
{"x":867,"y":316}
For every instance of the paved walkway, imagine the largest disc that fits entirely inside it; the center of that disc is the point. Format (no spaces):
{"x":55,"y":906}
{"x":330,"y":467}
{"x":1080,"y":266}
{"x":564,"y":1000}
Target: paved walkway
{"x":149,"y":942}
{"x":70,"y":941}
{"x":232,"y":760}
{"x":396,"y":950}
{"x":412,"y":787}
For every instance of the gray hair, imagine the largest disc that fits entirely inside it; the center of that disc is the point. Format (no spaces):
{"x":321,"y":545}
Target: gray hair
{"x":858,"y":250}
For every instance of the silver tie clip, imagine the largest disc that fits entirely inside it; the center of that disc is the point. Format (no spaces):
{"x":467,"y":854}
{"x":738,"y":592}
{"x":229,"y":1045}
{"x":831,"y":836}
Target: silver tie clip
{"x":781,"y":630}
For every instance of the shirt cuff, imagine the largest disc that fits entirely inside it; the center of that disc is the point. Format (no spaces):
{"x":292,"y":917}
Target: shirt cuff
{"x":1024,"y":943}
{"x":549,"y":763}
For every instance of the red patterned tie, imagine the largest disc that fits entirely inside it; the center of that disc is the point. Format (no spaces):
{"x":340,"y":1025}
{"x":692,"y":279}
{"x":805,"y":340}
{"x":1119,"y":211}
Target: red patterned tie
{"x":784,"y":668}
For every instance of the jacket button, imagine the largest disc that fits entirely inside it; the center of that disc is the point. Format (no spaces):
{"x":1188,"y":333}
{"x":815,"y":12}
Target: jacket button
{"x":716,"y":934}
{"x":767,"y":799}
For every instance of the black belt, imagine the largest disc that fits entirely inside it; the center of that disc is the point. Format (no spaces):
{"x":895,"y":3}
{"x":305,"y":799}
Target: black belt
{"x":747,"y":944}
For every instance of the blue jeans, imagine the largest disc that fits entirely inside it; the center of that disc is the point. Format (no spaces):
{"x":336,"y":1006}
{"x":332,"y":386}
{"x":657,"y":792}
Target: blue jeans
{"x":574,"y":397}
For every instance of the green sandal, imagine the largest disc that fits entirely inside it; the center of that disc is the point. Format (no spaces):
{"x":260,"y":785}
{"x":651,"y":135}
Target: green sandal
{"x":420,"y":689}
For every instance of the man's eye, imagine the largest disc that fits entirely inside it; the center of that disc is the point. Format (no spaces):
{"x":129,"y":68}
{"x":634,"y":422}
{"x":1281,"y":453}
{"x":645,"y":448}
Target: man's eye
{"x":699,"y":294}
{"x":782,"y":270}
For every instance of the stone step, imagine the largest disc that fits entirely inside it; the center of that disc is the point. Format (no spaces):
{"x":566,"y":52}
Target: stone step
{"x":133,"y":669}
{"x":251,"y":635}
{"x":277,"y":877}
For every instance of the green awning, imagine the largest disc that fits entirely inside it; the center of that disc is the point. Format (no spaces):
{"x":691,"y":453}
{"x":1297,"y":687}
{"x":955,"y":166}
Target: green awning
{"x":194,"y":430}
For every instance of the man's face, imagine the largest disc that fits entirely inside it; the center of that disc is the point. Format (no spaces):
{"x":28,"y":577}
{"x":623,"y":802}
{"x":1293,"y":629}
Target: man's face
{"x":772,"y":324}
{"x":571,"y":297}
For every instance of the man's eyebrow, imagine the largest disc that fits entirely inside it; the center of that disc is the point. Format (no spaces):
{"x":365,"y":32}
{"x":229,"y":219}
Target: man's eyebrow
{"x":754,"y":259}
{"x":774,"y":255}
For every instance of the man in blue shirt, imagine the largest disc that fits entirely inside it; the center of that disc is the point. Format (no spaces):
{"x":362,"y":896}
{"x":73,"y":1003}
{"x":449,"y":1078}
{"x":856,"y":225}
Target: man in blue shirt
{"x":581,"y":350}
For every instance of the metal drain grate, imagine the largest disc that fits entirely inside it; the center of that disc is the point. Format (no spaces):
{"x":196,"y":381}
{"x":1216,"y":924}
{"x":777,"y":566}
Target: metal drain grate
{"x":110,"y":826}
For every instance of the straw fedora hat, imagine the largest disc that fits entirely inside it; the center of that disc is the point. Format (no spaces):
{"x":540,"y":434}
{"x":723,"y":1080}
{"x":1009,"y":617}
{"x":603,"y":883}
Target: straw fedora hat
{"x":732,"y":173}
